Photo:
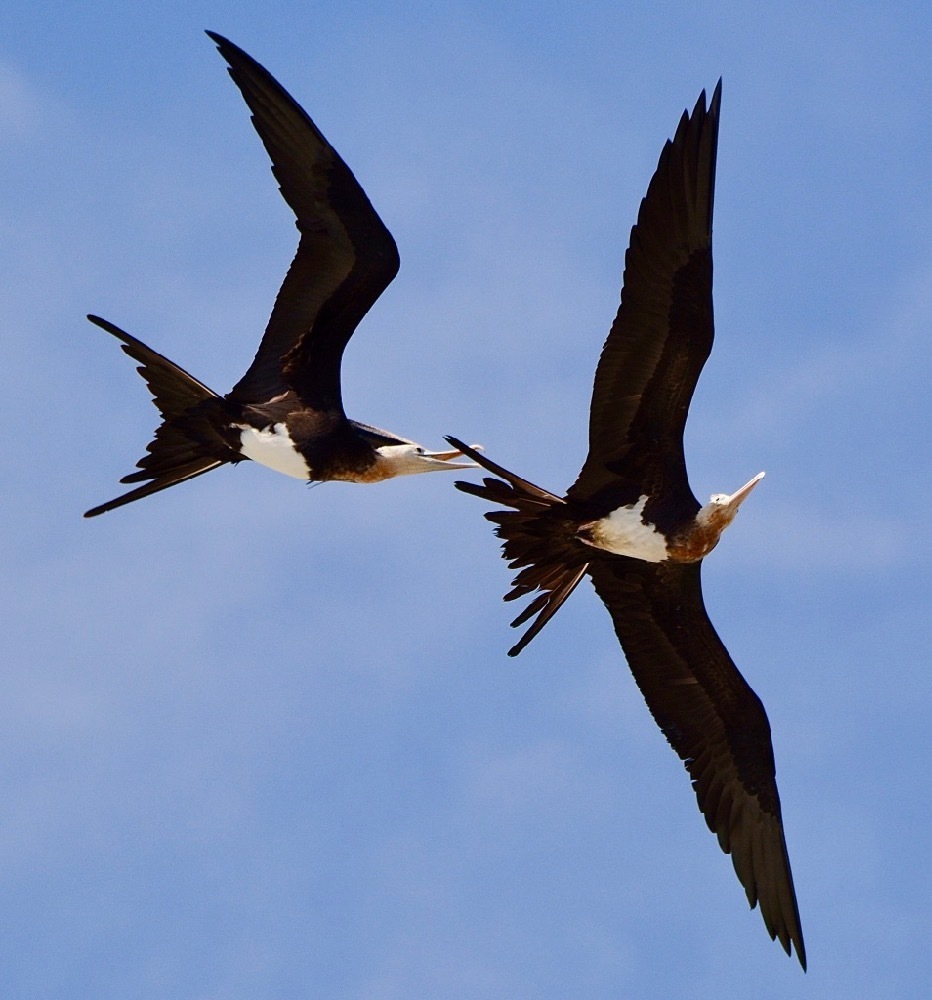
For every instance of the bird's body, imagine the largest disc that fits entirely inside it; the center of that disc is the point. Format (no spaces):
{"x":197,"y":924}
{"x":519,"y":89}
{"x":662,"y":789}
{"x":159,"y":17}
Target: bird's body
{"x":286,"y":412}
{"x":632,"y":524}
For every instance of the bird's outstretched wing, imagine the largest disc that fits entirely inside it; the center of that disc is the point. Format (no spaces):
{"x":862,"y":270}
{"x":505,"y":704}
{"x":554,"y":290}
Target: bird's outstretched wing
{"x":663,"y":331}
{"x":712,"y":719}
{"x":346,"y":256}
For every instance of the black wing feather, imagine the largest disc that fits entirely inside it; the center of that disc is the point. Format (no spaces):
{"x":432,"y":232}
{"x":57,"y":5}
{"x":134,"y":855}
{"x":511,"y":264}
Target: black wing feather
{"x":712,"y":719}
{"x":346,"y":257}
{"x":663,"y":331}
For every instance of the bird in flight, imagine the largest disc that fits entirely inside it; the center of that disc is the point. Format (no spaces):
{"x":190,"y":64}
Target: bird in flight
{"x":286,"y":412}
{"x":632,"y":524}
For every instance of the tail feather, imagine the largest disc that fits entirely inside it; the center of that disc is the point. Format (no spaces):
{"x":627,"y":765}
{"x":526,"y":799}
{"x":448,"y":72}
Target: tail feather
{"x":550,"y":603}
{"x":538,"y":540}
{"x":183,"y":474}
{"x":188,"y":443}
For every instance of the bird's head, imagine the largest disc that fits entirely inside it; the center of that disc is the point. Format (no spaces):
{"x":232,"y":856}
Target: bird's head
{"x":721,"y":509}
{"x":703,"y":533}
{"x":409,"y":458}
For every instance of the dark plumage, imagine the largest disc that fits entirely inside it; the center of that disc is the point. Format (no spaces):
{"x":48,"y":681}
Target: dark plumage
{"x":632,"y":524}
{"x":287,"y":410}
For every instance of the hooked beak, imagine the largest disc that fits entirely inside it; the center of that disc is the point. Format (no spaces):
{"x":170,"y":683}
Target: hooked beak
{"x":444,"y":459}
{"x":736,"y":499}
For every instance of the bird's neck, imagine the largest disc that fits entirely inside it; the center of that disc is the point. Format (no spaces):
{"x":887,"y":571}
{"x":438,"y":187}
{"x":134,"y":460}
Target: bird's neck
{"x":700,"y":536}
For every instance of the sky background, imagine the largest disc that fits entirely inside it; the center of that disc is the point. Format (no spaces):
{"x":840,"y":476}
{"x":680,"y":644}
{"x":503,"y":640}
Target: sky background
{"x":261,"y":740}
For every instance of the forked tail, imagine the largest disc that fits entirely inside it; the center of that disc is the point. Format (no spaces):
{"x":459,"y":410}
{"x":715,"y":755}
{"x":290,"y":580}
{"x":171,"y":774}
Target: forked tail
{"x":188,"y":443}
{"x":538,"y":539}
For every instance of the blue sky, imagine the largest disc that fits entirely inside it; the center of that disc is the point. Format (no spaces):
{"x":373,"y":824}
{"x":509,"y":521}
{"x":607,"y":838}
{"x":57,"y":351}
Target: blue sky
{"x":260,"y":740}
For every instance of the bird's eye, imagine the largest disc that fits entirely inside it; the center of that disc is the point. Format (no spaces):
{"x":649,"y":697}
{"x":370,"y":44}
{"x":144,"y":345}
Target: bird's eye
{"x":420,"y":451}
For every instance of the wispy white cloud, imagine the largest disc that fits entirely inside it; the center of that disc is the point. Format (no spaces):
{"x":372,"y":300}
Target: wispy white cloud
{"x":20,"y":106}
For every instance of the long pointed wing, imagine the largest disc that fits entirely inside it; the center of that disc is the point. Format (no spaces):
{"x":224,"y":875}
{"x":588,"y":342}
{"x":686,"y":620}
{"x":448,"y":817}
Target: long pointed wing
{"x":712,"y":719}
{"x":663,"y":331}
{"x":346,"y":257}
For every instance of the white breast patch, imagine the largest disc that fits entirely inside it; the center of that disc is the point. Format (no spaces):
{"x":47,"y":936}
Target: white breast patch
{"x":272,"y":446}
{"x":625,"y":533}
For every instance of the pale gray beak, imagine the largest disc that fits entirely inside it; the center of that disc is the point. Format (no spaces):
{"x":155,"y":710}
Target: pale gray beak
{"x":733,"y":502}
{"x":444,"y":458}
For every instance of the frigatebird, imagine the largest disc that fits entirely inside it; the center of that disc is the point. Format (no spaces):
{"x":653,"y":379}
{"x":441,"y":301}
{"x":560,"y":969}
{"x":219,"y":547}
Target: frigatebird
{"x":286,"y":412}
{"x":631,"y":523}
